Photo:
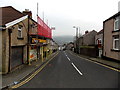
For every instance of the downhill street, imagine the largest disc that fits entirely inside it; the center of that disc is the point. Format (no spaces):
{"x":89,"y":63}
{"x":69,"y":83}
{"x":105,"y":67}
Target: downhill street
{"x":69,"y":71}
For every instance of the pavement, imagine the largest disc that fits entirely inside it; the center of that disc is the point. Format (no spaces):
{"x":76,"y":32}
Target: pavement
{"x":67,"y":70}
{"x":110,"y":63}
{"x":21,"y":73}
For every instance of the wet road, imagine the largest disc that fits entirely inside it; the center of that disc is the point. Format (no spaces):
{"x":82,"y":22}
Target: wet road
{"x":69,"y":71}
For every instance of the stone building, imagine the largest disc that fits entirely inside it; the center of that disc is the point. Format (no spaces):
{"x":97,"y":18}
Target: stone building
{"x":89,"y":38}
{"x":13,"y":32}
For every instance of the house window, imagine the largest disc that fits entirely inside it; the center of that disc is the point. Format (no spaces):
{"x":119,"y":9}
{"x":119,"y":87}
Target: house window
{"x":19,"y":31}
{"x":116,"y":42}
{"x":116,"y":24}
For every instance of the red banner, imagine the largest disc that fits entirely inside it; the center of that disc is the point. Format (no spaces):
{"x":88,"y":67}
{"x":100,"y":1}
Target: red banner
{"x":43,"y":29}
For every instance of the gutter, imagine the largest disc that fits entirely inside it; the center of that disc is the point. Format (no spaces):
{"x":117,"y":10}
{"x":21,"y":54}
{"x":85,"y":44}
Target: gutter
{"x":2,"y":28}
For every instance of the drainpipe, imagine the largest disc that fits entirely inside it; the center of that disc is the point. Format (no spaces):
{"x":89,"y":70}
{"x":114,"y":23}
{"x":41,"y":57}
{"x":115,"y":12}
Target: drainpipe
{"x":103,"y":40}
{"x":28,"y":43}
{"x":119,"y":48}
{"x":9,"y":33}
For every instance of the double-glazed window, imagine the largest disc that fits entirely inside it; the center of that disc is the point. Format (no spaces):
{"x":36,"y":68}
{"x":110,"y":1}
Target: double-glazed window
{"x":19,"y":31}
{"x":116,"y":43}
{"x":117,"y":24}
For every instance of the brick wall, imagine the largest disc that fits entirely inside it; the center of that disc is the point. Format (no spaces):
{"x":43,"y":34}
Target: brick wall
{"x":92,"y":52}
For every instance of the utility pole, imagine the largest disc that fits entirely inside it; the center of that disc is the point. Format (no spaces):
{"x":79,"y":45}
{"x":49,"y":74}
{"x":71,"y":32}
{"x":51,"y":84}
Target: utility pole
{"x":77,"y":39}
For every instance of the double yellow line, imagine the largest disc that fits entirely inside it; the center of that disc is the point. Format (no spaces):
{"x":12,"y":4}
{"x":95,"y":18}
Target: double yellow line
{"x":33,"y":75}
{"x":98,"y":63}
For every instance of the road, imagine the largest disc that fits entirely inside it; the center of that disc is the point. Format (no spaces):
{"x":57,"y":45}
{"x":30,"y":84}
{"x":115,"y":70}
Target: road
{"x":69,"y":71}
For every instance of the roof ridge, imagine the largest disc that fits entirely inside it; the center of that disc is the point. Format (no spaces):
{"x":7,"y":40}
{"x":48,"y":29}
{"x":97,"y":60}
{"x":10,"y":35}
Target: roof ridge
{"x":10,"y":14}
{"x":5,"y":6}
{"x":13,"y":8}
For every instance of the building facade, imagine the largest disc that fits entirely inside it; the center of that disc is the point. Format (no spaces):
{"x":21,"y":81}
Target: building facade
{"x":89,"y":38}
{"x":14,"y":38}
{"x":86,"y":44}
{"x":23,"y":40}
{"x":111,"y":35}
{"x":99,"y":42}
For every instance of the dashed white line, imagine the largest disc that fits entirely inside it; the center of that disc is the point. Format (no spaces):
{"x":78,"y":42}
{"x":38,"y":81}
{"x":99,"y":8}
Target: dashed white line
{"x":68,"y":58}
{"x":77,"y":69}
{"x":73,"y":65}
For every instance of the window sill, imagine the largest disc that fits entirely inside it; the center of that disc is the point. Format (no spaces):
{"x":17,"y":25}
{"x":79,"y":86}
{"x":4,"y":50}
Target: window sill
{"x":115,"y":50}
{"x":116,"y":31}
{"x":20,"y":38}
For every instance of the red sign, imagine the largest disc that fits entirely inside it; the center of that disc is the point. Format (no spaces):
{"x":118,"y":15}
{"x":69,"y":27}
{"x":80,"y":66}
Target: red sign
{"x":43,"y":29}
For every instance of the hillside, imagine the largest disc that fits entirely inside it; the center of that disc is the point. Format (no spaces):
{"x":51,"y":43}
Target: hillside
{"x":63,"y":39}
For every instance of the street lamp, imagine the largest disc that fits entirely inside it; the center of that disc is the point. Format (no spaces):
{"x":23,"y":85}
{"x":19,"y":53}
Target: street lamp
{"x":77,"y":42}
{"x":76,"y":37}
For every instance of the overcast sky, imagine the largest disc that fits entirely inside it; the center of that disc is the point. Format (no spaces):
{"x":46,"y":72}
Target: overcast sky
{"x":64,"y":14}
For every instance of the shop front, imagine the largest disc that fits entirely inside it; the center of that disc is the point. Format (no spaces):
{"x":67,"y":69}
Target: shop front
{"x":33,"y":52}
{"x":36,"y":51}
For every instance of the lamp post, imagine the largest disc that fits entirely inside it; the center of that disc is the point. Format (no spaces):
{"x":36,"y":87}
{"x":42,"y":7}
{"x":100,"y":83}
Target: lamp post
{"x":79,"y":41}
{"x":76,"y":50}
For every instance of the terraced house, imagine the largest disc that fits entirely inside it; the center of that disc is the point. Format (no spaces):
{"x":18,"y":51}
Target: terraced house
{"x":111,"y":37}
{"x":23,"y":40}
{"x":14,"y":31}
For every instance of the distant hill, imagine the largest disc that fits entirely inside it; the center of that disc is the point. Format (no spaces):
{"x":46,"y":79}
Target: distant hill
{"x":63,"y":39}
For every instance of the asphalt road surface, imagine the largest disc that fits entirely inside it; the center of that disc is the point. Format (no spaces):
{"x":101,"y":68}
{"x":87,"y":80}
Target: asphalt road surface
{"x":69,"y":71}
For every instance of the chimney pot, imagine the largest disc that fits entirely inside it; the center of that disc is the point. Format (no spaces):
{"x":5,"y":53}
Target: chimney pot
{"x":86,"y":32}
{"x":27,"y":12}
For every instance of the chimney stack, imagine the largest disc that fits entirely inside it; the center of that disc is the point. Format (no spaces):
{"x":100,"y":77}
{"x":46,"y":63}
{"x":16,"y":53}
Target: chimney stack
{"x":27,"y":12}
{"x":86,"y":32}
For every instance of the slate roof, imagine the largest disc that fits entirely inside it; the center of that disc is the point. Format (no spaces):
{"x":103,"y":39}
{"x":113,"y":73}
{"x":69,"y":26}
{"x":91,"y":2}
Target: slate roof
{"x":9,"y":14}
{"x":112,"y":17}
{"x":100,"y":32}
{"x":89,"y":33}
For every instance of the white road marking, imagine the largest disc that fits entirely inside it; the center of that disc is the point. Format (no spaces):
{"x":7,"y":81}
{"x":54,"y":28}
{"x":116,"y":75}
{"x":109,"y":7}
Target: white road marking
{"x":77,"y":69}
{"x":65,"y":54}
{"x":68,"y":58}
{"x":98,"y":63}
{"x":74,"y":65}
